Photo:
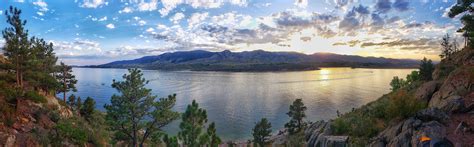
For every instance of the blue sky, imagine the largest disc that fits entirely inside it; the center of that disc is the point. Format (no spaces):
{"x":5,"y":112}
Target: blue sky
{"x":100,"y":31}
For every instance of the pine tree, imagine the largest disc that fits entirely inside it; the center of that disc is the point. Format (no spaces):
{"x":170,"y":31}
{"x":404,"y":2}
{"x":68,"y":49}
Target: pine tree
{"x":78,"y":105}
{"x":426,"y":69}
{"x":88,"y":108}
{"x":72,"y":100}
{"x":171,"y":141}
{"x":66,"y":79}
{"x":42,"y":64}
{"x":296,"y":115}
{"x":17,"y":46}
{"x":467,"y":19}
{"x":193,"y":120}
{"x":447,"y":47}
{"x":261,"y":132}
{"x":213,"y":139}
{"x":136,"y":110}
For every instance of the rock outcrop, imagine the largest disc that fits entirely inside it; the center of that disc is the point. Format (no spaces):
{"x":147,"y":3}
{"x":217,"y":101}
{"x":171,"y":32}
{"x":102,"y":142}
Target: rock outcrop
{"x":426,"y":123}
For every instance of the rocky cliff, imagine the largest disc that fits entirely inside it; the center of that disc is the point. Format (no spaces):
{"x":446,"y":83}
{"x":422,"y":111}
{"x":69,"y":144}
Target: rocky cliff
{"x":448,"y":119}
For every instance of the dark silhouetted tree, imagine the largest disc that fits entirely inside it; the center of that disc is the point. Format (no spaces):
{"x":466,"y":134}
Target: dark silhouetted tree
{"x":193,"y":120}
{"x":426,"y":70}
{"x":296,"y":114}
{"x":135,"y":114}
{"x":66,"y":79}
{"x":262,"y":132}
{"x":467,"y":19}
{"x":447,"y":47}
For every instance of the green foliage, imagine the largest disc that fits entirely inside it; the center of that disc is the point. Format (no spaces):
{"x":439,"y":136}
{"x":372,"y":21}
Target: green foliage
{"x":171,"y":141}
{"x":297,"y":139}
{"x":35,"y":97}
{"x":71,"y":100}
{"x":193,"y":120}
{"x":447,"y":48}
{"x":262,"y":132}
{"x":397,"y":83}
{"x":87,"y":109}
{"x":66,"y":129}
{"x":296,"y":115}
{"x":136,"y":110}
{"x":67,"y":80}
{"x":426,"y":70}
{"x":213,"y":139}
{"x":16,"y":48}
{"x":403,"y":105}
{"x":467,"y":19}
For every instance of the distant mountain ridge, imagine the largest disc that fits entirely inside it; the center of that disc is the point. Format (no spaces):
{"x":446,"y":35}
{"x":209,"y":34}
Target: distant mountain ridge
{"x":257,"y":60}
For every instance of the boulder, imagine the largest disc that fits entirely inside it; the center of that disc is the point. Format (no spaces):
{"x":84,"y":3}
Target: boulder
{"x":426,"y":91}
{"x":459,"y":83}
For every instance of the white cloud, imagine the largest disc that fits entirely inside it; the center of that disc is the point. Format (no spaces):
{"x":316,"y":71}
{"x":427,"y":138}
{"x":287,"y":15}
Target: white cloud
{"x":150,"y":30}
{"x":148,"y":6}
{"x":93,"y":3}
{"x":43,"y":5}
{"x":301,"y":3}
{"x":169,"y":5}
{"x":103,"y":18}
{"x":126,"y":10}
{"x":196,"y":18}
{"x":110,"y":26}
{"x":19,"y":1}
{"x":40,"y":13}
{"x":141,"y":22}
{"x":177,"y":17}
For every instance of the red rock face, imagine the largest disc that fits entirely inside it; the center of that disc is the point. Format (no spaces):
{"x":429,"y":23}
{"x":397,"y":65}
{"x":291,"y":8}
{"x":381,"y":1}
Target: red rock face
{"x":461,"y":137}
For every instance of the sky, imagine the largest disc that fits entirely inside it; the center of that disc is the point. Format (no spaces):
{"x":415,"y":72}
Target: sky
{"x":87,"y":32}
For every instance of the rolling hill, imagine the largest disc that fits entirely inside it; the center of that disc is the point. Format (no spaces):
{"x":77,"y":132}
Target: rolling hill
{"x":258,"y":60}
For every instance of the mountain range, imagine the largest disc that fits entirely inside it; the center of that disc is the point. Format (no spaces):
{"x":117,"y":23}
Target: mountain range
{"x":257,"y":60}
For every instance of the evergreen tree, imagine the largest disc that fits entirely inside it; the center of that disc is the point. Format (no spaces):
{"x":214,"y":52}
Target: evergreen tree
{"x":135,"y":114}
{"x":193,"y":120}
{"x":17,"y":46}
{"x":296,"y":115}
{"x":262,"y":132}
{"x":426,"y":69}
{"x":72,"y":100}
{"x":467,"y":19}
{"x":171,"y":141}
{"x":88,"y":108}
{"x":66,"y":79}
{"x":214,"y":140}
{"x":447,"y":47}
{"x":78,"y":105}
{"x":42,"y":65}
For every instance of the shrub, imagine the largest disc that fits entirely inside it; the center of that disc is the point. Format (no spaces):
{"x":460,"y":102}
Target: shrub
{"x":35,"y":97}
{"x":67,"y":130}
{"x":403,"y":105}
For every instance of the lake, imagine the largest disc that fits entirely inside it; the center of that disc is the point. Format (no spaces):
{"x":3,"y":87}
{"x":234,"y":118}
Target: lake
{"x":236,"y":100}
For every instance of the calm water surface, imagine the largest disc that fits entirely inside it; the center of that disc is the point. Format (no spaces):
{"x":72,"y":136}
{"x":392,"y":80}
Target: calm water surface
{"x":236,"y":100}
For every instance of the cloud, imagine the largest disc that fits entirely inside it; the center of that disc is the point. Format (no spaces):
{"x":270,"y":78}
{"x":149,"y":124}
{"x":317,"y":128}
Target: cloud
{"x":301,"y":3}
{"x":93,"y":3}
{"x":110,"y":26}
{"x":148,"y":6}
{"x":177,"y":17}
{"x":43,"y":5}
{"x":342,"y":4}
{"x":126,"y":10}
{"x":103,"y":18}
{"x":141,"y":23}
{"x":353,"y":20}
{"x":383,"y":6}
{"x":169,"y":5}
{"x":196,"y":19}
{"x":401,"y":5}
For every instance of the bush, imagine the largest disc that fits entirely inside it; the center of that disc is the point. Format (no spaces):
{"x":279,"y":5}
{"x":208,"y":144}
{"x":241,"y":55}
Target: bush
{"x":403,"y":105}
{"x":67,"y":130}
{"x":35,"y":97}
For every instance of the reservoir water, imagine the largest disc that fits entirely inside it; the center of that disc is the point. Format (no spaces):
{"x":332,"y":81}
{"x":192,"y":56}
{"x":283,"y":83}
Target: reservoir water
{"x":236,"y":100}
